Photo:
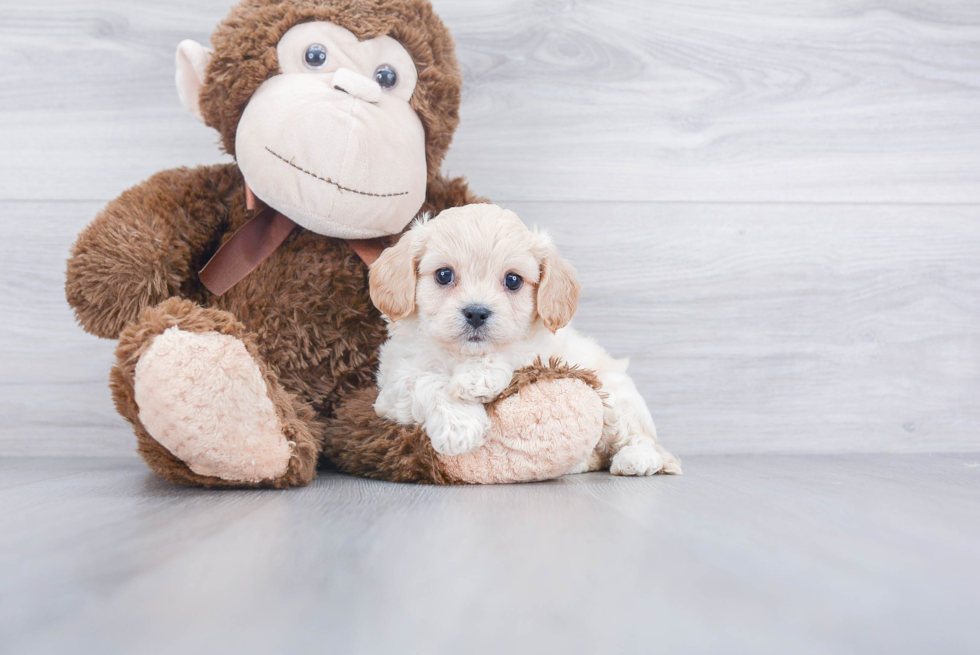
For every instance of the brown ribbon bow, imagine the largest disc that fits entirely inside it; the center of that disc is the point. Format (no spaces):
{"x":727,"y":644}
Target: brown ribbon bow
{"x":253,"y":242}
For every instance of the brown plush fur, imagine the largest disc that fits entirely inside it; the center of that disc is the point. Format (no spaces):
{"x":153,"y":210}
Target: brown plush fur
{"x":554,"y":370}
{"x":360,"y":443}
{"x":304,"y":314}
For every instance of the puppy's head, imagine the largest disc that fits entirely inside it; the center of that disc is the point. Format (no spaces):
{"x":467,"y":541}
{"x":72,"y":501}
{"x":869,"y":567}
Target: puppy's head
{"x":477,"y":279}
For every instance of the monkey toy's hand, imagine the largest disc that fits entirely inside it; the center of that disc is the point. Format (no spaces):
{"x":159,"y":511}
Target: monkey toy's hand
{"x":480,"y":380}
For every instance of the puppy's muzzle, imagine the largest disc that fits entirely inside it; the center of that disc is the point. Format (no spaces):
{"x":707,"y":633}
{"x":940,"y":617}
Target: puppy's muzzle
{"x":476,"y":315}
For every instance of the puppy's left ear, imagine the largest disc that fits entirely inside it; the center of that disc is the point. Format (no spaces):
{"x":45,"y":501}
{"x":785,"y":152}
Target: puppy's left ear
{"x":558,"y":290}
{"x":394,"y":276}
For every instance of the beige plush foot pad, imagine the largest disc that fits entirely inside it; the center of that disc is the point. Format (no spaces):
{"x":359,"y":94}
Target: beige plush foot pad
{"x":540,"y":433}
{"x":202,"y":396}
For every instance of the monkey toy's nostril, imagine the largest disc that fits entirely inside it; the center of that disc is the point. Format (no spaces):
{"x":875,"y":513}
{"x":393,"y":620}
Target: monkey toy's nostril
{"x":476,"y":315}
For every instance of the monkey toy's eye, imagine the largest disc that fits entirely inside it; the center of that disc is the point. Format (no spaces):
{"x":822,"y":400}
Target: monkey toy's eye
{"x":444,"y":276}
{"x":386,"y":77}
{"x":513,"y":281}
{"x":315,"y":57}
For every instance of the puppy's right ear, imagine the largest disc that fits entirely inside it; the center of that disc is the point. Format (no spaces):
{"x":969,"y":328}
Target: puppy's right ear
{"x":394,"y":276}
{"x":558,"y":290}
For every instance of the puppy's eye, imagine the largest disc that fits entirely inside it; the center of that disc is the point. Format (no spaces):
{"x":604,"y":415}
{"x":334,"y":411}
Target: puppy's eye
{"x":315,"y":57}
{"x":386,"y":77}
{"x":513,"y":281}
{"x":444,"y":276}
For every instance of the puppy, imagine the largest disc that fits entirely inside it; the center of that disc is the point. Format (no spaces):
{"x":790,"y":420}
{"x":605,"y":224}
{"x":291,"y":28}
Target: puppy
{"x":472,"y":296}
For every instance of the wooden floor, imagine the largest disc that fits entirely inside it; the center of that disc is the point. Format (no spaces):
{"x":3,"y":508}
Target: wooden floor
{"x":760,"y":554}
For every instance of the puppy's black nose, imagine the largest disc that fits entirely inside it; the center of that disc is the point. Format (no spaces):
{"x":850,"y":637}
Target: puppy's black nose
{"x":476,"y":315}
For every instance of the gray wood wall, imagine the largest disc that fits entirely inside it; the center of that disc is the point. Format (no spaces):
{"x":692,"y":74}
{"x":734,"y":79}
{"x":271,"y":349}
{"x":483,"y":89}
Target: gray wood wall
{"x":774,"y":205}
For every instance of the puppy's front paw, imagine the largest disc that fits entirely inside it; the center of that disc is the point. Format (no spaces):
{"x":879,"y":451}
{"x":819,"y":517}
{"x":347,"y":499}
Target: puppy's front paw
{"x":457,"y":428}
{"x":637,"y":460}
{"x":479,"y":385}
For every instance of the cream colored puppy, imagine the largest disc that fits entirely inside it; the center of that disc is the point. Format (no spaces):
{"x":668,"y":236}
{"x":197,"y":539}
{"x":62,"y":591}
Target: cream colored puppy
{"x":471,"y":297}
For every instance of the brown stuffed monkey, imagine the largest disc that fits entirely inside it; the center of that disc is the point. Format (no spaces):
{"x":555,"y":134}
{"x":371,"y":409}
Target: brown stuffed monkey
{"x":255,"y":369}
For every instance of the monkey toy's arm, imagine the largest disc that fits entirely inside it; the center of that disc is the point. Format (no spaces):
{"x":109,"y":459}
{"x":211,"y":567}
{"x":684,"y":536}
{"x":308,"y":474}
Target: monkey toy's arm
{"x":147,"y":245}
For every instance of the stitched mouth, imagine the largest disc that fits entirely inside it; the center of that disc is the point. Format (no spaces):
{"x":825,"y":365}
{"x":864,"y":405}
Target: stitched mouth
{"x":329,"y":181}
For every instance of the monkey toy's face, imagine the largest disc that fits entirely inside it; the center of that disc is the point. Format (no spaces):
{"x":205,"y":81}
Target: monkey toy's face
{"x":331,"y":141}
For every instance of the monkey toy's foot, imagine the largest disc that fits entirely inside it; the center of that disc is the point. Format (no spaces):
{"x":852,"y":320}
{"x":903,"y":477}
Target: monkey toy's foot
{"x":203,"y":397}
{"x":206,"y":409}
{"x":546,"y":423}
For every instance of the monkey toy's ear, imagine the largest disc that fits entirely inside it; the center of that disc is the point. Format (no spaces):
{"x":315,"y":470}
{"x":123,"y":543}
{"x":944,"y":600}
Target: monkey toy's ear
{"x":192,"y":65}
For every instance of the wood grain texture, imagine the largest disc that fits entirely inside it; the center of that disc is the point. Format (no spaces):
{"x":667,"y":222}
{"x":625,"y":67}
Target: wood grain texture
{"x":846,"y":324}
{"x":704,"y":100}
{"x":721,"y":101}
{"x":751,"y":328}
{"x":763,"y":554}
{"x":54,"y":389}
{"x":800,"y":328}
{"x":88,"y":105}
